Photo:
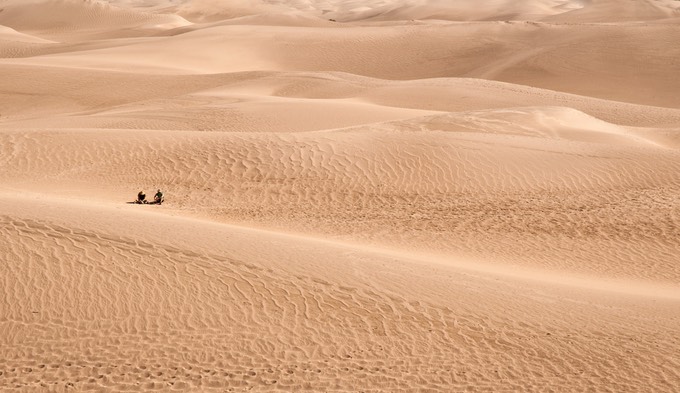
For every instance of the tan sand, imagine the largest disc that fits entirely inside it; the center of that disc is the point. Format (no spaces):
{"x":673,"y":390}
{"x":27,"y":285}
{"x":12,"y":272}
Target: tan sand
{"x":412,"y":196}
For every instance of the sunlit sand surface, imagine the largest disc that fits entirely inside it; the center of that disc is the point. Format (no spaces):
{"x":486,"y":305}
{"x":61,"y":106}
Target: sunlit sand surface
{"x":376,"y":196}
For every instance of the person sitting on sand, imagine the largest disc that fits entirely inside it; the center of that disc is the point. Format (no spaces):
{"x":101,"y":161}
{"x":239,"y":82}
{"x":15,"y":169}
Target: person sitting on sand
{"x":141,"y":197}
{"x":158,"y":198}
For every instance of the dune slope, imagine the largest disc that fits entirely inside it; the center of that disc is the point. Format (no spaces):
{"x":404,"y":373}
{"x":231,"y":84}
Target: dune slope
{"x":178,"y":304}
{"x":373,"y":196}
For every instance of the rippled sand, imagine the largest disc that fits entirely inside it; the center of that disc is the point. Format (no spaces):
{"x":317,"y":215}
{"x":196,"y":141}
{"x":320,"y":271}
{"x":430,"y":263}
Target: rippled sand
{"x":366,"y":196}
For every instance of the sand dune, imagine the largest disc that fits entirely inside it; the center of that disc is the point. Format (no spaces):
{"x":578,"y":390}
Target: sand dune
{"x":375,"y":196}
{"x":63,"y":19}
{"x":165,"y":306}
{"x":459,"y":11}
{"x":466,"y":10}
{"x":8,"y":34}
{"x":545,"y":55}
{"x":528,"y":174}
{"x":608,"y":11}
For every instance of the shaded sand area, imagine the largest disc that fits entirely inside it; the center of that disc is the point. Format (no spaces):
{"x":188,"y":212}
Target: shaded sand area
{"x":374,"y":196}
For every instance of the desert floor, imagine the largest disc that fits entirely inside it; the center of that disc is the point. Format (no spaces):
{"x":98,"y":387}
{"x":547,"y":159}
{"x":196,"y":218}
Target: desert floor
{"x":374,"y":196}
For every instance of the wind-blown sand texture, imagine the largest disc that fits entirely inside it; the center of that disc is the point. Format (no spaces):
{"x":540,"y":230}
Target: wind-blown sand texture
{"x":375,"y":196}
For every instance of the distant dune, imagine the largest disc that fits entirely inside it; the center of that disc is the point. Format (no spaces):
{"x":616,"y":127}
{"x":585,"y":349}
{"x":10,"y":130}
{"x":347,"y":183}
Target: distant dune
{"x":378,"y":196}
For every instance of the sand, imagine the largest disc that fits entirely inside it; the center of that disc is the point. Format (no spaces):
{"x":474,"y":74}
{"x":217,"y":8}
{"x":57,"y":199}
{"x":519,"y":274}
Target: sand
{"x":376,"y":196}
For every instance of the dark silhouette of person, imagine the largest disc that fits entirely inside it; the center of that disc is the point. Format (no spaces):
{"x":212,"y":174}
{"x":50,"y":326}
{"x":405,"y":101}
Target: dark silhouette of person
{"x":158,"y":198}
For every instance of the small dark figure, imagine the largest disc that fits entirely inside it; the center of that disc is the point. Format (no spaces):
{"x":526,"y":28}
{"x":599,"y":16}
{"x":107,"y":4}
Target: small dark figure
{"x":141,"y":197}
{"x":158,"y":198}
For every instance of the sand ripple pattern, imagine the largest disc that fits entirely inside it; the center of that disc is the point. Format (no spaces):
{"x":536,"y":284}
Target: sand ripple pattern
{"x":480,"y":183}
{"x":92,"y":311}
{"x":390,"y":196}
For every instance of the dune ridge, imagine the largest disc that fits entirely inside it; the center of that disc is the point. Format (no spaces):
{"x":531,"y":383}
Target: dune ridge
{"x":545,"y":55}
{"x":385,"y":195}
